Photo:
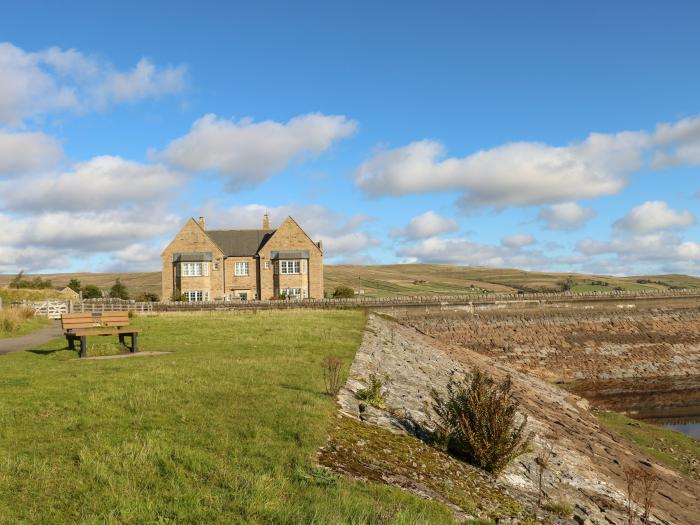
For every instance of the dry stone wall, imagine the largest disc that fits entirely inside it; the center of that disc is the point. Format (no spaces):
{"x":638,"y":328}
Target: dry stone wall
{"x":578,"y":344}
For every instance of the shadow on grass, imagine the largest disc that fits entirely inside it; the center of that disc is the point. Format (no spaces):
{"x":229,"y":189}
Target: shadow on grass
{"x":44,"y":351}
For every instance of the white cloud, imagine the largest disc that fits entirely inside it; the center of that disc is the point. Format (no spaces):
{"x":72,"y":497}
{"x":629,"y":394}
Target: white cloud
{"x":654,"y":216}
{"x":515,"y":174}
{"x":34,"y":83}
{"x":530,"y":173}
{"x":566,"y":216}
{"x":342,"y":236}
{"x":137,"y":257}
{"x":247,"y":152}
{"x":426,"y":225}
{"x":22,"y":153}
{"x":437,"y":250}
{"x":681,"y":141}
{"x":654,"y":252}
{"x":54,"y":239}
{"x":518,"y":240}
{"x":101,"y":183}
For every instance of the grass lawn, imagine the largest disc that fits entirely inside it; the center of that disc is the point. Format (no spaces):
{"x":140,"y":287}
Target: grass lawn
{"x":223,"y":430}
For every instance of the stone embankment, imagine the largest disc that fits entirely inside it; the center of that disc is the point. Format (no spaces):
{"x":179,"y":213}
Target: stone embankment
{"x":578,"y":344}
{"x":586,"y":470}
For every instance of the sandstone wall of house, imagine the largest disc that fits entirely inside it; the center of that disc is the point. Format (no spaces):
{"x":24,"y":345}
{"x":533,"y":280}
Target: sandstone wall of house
{"x":289,"y":236}
{"x":239,"y":283}
{"x":191,"y":239}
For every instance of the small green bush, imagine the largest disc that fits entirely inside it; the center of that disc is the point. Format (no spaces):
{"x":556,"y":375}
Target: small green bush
{"x":343,"y":292}
{"x":92,"y":292}
{"x":477,"y":422}
{"x":118,"y":290}
{"x":373,"y":393}
{"x":560,"y":508}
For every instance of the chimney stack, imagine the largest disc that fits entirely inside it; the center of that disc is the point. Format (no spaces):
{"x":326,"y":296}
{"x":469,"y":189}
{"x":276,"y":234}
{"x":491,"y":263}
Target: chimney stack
{"x":203,"y":223}
{"x":266,"y":222}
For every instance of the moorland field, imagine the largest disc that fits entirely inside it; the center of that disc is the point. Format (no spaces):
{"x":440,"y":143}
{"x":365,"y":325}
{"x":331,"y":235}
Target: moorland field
{"x":417,"y":279}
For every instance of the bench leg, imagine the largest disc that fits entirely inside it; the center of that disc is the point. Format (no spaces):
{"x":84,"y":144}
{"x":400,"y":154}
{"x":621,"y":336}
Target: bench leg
{"x":83,"y":346}
{"x":71,"y":342}
{"x":134,"y":347}
{"x":121,"y":339}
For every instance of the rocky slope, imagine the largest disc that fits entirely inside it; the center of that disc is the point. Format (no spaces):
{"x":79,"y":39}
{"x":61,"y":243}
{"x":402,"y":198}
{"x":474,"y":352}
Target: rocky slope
{"x":579,"y":344}
{"x":586,"y":470}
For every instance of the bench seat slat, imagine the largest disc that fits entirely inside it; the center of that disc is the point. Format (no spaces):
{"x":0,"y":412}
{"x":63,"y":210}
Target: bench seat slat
{"x":84,"y":333}
{"x":93,"y":324}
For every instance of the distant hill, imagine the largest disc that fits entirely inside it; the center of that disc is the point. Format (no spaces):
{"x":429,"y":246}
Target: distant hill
{"x":417,"y":279}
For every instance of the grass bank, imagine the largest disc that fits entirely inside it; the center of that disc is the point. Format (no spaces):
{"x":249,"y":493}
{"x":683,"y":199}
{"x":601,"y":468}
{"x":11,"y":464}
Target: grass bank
{"x":223,"y":430}
{"x":19,"y":321}
{"x":676,"y":450}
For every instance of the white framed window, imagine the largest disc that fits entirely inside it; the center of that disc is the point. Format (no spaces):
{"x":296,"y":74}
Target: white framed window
{"x":241,"y":268}
{"x":291,"y":293}
{"x":195,"y":269}
{"x":215,"y":265}
{"x":193,"y":295}
{"x":290,"y":267}
{"x":306,"y":293}
{"x":267,"y":265}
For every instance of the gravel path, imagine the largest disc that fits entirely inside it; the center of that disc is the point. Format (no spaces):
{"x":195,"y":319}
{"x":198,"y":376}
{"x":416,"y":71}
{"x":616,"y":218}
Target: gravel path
{"x":29,"y":341}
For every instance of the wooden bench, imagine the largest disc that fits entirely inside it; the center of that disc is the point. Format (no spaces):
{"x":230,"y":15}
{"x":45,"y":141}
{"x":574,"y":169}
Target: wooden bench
{"x":80,"y":326}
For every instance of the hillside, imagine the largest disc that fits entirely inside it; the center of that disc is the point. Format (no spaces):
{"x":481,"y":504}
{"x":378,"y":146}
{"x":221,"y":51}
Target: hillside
{"x":418,"y":279}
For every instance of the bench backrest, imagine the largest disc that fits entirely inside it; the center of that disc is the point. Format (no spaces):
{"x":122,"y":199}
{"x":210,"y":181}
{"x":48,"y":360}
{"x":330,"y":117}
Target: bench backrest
{"x":94,"y":320}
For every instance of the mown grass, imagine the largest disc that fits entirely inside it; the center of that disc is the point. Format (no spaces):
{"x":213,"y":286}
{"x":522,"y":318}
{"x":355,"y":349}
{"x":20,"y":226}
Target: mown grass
{"x":15,"y":322}
{"x":676,"y":450}
{"x":223,"y":430}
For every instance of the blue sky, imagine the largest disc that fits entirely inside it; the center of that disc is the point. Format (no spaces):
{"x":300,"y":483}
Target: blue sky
{"x":541,"y":135}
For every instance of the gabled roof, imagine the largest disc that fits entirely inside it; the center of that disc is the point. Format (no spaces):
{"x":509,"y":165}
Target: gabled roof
{"x":240,"y":243}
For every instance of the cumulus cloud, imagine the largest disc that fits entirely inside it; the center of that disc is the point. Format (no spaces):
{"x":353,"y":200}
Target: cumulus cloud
{"x":658,"y":252}
{"x":530,"y":173}
{"x":518,"y":240}
{"x":137,"y":257}
{"x":246,"y":152}
{"x":654,"y":216}
{"x":22,"y":153}
{"x":462,"y":251}
{"x":56,"y":238}
{"x":343,"y":237}
{"x":515,"y":174}
{"x":426,"y":225}
{"x":99,"y":183}
{"x":567,"y":216}
{"x":54,"y":79}
{"x":679,"y":143}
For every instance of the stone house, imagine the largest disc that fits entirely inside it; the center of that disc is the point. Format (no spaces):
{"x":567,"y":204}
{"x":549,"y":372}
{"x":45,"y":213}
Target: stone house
{"x":213,"y":265}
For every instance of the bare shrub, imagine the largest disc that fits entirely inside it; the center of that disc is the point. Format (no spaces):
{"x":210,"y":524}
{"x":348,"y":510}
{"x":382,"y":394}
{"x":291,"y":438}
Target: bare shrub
{"x":648,"y":482}
{"x":631,"y":485}
{"x":542,"y":462}
{"x":332,"y":370}
{"x":641,"y":483}
{"x":373,"y":393}
{"x":478,"y":422}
